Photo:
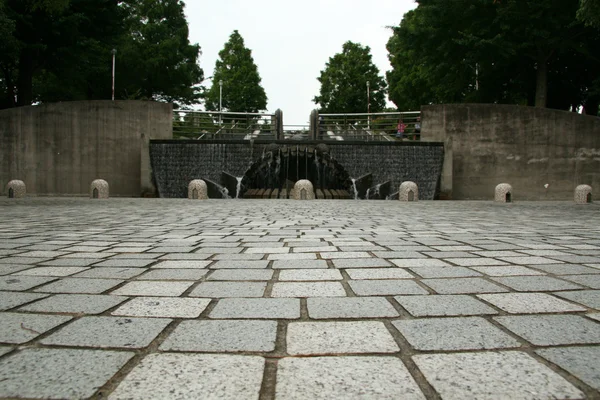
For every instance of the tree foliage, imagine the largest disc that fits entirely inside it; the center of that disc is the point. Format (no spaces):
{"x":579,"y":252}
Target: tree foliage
{"x":242,"y":90}
{"x":589,"y":12}
{"x":156,"y":59}
{"x":531,"y":52}
{"x":57,"y":50}
{"x":344,"y":82}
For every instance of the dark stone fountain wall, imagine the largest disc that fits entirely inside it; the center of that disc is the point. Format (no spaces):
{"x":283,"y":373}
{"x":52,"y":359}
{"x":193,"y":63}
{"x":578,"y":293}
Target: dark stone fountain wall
{"x":176,"y":162}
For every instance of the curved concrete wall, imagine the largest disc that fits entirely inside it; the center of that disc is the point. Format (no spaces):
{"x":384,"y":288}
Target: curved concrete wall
{"x":488,"y":144}
{"x":60,"y":148}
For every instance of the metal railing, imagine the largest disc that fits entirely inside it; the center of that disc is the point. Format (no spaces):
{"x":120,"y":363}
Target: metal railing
{"x":388,"y":126}
{"x":223,"y":125}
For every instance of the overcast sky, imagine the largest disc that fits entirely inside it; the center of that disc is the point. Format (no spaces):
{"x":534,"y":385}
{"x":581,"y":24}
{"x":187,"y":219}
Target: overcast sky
{"x":292,"y":40}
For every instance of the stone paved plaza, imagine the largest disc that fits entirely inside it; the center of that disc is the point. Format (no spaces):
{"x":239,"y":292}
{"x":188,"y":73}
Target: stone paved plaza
{"x":275,"y":299}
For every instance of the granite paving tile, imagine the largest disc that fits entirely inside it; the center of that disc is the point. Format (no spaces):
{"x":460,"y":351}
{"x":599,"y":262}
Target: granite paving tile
{"x":420,"y":262}
{"x":79,"y":285}
{"x":444,"y":305}
{"x":51,"y":271}
{"x":222,"y":336}
{"x":361,"y":263}
{"x":217,"y":250}
{"x":536,"y":283}
{"x":125,"y":263}
{"x":566,"y":269}
{"x":75,"y":304}
{"x":314,"y":249}
{"x":23,"y":260}
{"x":461,"y":333}
{"x":241,"y":275}
{"x":493,"y":375}
{"x":292,"y":256}
{"x":475,"y":262}
{"x":242,"y":264}
{"x":509,"y":270}
{"x":444,"y":272}
{"x":576,"y":259}
{"x":41,"y":373}
{"x":529,"y":303}
{"x":216,"y":289}
{"x":591,"y":281}
{"x":163,"y":307}
{"x":10,"y":300}
{"x":110,"y":273}
{"x":304,"y":338}
{"x":153,"y":288}
{"x":20,"y":327}
{"x":310,"y":275}
{"x":238,"y":256}
{"x":308,"y":289}
{"x":71,"y":262}
{"x":237,"y":308}
{"x":379,"y":273}
{"x":589,"y":298}
{"x":462,"y":286}
{"x":299,"y":264}
{"x":576,"y":360}
{"x":348,"y":377}
{"x":350,"y":307}
{"x":345,"y":254}
{"x":173,"y":274}
{"x":182,"y":264}
{"x":108,"y":332}
{"x":387,"y":287}
{"x":552,"y":330}
{"x":6,"y":269}
{"x":163,"y":376}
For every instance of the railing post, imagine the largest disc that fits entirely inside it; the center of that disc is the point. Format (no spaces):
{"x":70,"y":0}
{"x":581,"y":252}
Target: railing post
{"x":278,"y":124}
{"x":314,"y":125}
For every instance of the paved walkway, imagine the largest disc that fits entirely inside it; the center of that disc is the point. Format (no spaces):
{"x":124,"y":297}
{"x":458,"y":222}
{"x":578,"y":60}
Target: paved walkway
{"x":275,"y":299}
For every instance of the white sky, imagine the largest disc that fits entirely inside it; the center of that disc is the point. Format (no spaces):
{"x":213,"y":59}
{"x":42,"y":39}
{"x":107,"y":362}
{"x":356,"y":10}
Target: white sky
{"x":292,"y":40}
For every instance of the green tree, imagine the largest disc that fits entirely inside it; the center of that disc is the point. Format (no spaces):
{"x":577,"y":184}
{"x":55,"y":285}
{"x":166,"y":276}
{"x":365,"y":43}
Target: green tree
{"x":51,"y":42}
{"x":155,"y":59}
{"x":589,"y":12}
{"x":531,"y":52}
{"x":57,"y":50}
{"x":242,"y":90}
{"x":344,"y":82}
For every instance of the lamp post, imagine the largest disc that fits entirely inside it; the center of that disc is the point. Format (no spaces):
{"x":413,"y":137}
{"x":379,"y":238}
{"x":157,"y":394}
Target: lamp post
{"x":368,"y":105}
{"x":220,"y":99}
{"x":114,"y":53}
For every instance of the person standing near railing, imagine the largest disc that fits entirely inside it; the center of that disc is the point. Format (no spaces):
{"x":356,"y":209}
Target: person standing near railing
{"x":417,"y":128}
{"x":401,"y":128}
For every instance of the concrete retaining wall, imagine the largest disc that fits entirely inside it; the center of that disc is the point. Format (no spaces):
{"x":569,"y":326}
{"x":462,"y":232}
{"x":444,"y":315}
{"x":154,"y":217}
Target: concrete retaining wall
{"x":525,"y":146}
{"x":60,"y":148}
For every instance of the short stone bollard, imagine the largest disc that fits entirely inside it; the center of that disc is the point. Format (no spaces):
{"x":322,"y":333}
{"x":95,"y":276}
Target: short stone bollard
{"x":15,"y":189}
{"x":99,"y":189}
{"x":303,"y":190}
{"x":409,"y":191}
{"x":583,"y":194}
{"x":503,"y":193}
{"x":197,"y":190}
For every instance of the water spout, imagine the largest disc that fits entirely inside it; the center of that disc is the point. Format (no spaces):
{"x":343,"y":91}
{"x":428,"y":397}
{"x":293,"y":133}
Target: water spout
{"x":238,"y":187}
{"x":354,"y":189}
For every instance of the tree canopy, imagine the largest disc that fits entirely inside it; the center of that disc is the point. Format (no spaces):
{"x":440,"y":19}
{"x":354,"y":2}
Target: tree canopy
{"x":344,"y":82}
{"x":242,"y":90}
{"x":533,"y":52}
{"x":58,"y":50}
